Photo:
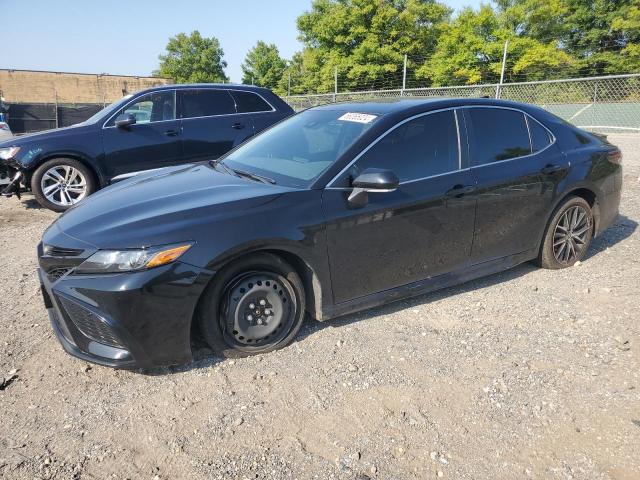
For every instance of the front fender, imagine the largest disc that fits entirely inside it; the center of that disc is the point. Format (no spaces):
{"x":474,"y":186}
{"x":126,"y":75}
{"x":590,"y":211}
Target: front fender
{"x":312,"y":265}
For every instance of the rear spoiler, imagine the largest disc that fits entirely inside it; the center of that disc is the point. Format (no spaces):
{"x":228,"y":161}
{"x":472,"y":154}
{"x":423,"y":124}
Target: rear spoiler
{"x":601,"y":136}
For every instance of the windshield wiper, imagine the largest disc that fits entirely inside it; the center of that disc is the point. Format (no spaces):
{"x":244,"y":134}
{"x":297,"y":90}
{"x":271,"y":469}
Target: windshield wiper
{"x":253,"y":176}
{"x":215,"y":163}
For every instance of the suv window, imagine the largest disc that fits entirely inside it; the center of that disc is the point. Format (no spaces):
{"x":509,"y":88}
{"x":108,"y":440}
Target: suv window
{"x":152,"y":107}
{"x":540,"y":138}
{"x":420,"y":148}
{"x":497,"y":134}
{"x":206,"y":102}
{"x":248,"y":102}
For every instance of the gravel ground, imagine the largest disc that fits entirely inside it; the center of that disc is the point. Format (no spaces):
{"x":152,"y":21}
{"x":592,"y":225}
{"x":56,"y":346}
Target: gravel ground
{"x":528,"y":373}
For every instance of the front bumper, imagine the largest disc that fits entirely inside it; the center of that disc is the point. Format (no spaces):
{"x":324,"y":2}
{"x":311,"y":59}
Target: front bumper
{"x":127,"y":320}
{"x":12,"y":186}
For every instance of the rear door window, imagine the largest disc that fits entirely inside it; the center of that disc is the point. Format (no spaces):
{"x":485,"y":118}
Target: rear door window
{"x":248,"y":102}
{"x":497,"y":134}
{"x":206,"y":102}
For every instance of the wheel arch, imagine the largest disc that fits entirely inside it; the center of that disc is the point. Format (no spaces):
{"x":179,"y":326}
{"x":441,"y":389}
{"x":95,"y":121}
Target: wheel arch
{"x":589,"y":195}
{"x":582,"y":191}
{"x":309,"y":276}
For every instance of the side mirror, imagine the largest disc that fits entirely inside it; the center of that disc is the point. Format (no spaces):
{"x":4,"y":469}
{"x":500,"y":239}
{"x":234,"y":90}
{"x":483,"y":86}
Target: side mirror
{"x":125,"y":120}
{"x":372,"y":180}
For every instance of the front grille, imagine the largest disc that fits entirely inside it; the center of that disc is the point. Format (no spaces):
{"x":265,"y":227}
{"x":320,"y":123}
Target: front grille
{"x":90,"y":324}
{"x":58,"y":272}
{"x":53,"y":251}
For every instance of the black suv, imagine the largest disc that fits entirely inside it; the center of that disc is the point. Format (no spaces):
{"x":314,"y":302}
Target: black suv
{"x":151,"y":129}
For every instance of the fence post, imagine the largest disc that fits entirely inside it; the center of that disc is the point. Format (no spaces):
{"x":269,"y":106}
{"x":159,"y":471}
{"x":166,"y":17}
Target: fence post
{"x":55,"y":93}
{"x":504,"y":62}
{"x":335,"y":84}
{"x":404,"y":76}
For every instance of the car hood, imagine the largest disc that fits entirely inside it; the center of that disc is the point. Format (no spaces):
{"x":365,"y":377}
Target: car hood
{"x":165,"y":206}
{"x":20,"y":140}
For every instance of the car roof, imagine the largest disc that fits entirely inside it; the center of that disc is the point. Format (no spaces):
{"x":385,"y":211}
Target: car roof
{"x":183,"y":86}
{"x":398,"y":105}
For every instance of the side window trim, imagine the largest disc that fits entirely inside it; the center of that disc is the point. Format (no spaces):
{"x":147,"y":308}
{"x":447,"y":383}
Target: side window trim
{"x":134,"y":100}
{"x":526,"y":117}
{"x":552,"y":137}
{"x":526,"y":121}
{"x":273,"y":109}
{"x":226,"y":90}
{"x":387,"y":132}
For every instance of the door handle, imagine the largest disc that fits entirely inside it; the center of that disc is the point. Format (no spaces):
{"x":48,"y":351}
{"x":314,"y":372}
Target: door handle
{"x":549,"y":169}
{"x":238,"y":126}
{"x":171,"y":133}
{"x":460,"y":191}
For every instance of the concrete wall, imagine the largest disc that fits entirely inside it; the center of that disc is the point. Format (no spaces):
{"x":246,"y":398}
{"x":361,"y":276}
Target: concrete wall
{"x":24,"y":86}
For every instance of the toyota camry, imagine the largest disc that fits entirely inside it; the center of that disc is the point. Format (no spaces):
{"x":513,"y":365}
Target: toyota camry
{"x":334,"y":210}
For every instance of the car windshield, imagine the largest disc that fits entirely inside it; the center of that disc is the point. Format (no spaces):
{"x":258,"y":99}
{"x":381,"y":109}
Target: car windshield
{"x":296,"y":151}
{"x":107,"y":110}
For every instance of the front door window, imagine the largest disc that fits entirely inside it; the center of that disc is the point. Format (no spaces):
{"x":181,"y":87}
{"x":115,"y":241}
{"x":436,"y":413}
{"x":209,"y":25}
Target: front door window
{"x":153,"y":107}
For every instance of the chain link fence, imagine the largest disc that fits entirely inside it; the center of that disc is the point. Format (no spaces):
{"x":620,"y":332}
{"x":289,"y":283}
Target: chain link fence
{"x":603,"y":104}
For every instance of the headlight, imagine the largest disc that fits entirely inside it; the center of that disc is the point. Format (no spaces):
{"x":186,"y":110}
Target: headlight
{"x":114,"y":261}
{"x":9,"y":152}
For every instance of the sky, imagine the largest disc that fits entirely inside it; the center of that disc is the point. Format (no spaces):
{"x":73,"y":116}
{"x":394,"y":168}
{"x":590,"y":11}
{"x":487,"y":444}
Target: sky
{"x":125,"y":37}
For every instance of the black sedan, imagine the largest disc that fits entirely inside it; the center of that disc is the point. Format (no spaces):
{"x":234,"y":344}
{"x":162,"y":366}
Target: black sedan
{"x":154,"y":128}
{"x":334,"y":210}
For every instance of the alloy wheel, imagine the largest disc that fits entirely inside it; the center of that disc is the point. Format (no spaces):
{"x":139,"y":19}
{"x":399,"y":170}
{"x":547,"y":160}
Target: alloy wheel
{"x":571,"y":235}
{"x":63,"y":185}
{"x":259,"y":310}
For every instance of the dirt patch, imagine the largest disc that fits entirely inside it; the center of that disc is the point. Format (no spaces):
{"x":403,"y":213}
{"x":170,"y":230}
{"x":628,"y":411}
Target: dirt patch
{"x":528,"y":373}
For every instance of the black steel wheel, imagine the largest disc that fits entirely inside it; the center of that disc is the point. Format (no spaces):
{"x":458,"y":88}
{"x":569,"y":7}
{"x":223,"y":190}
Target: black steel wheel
{"x":258,"y":310}
{"x":255,"y":305}
{"x":568,"y":234}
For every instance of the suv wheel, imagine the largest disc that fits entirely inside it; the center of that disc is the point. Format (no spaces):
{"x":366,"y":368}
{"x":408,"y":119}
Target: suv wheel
{"x":62,"y":182}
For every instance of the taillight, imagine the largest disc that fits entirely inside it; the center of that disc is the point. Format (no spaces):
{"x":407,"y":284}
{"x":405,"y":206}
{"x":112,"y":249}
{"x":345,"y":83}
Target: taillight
{"x":615,"y":156}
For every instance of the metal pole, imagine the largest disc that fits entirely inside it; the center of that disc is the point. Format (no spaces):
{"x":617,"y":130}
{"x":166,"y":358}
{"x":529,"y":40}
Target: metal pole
{"x":289,"y":85}
{"x":504,"y":63}
{"x":404,"y":76}
{"x":55,"y":92}
{"x":335,"y":83}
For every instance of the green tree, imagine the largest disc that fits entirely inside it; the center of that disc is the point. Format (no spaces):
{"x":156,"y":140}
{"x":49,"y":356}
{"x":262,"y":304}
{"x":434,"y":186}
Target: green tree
{"x":263,"y":66}
{"x":293,"y":78}
{"x":471,"y":47}
{"x":469,"y":50}
{"x":366,"y":40}
{"x":193,"y":59}
{"x":601,"y":36}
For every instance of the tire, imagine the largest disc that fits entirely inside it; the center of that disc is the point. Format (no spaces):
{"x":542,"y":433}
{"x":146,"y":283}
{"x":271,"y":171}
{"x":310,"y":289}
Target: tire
{"x":232,"y":317}
{"x":60,"y":183}
{"x":571,"y":229}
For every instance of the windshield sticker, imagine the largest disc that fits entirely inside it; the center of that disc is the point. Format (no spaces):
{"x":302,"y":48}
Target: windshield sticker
{"x":358,"y":117}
